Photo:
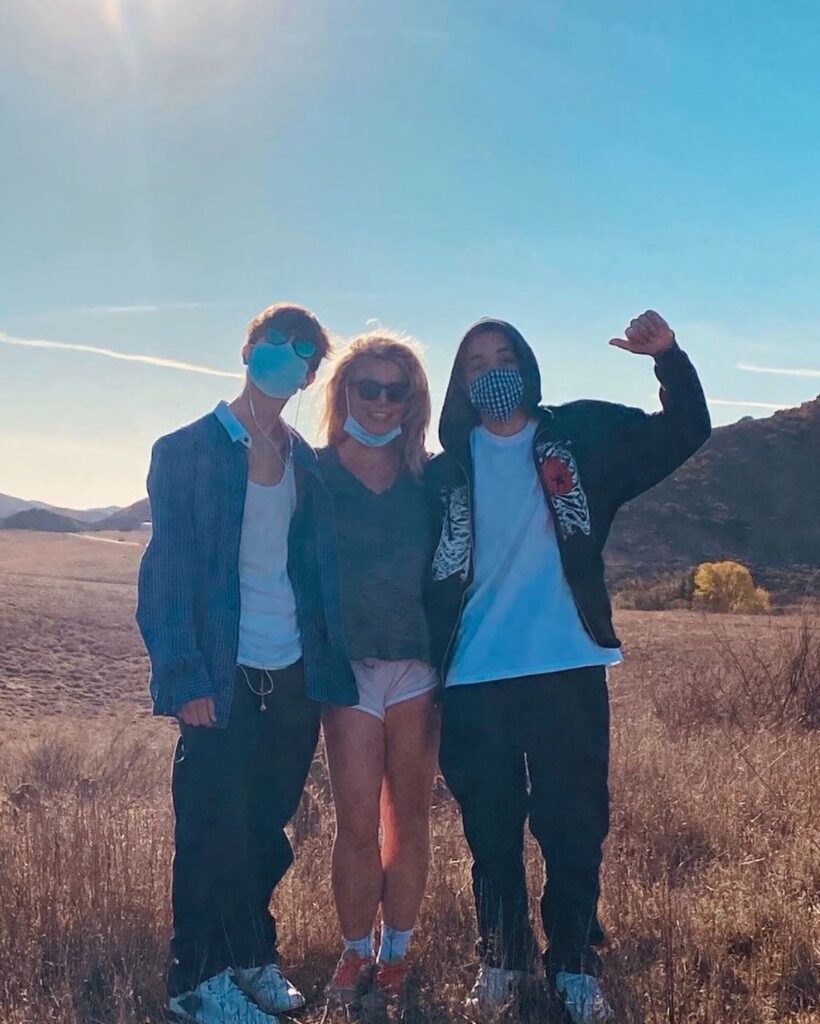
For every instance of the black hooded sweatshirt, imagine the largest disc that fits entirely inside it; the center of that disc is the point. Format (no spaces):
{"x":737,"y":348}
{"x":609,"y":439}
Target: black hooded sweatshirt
{"x":591,"y":457}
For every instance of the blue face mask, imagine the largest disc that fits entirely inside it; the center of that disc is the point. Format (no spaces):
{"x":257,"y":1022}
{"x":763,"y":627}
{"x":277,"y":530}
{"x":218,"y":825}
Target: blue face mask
{"x":277,"y":370}
{"x":358,"y":433}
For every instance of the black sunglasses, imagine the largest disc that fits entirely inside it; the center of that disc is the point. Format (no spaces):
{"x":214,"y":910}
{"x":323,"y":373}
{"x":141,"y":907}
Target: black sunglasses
{"x":301,"y":346}
{"x":369,"y":390}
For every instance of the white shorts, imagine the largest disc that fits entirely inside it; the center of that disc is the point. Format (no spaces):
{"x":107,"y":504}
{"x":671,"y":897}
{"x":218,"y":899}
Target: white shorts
{"x":385,"y":683}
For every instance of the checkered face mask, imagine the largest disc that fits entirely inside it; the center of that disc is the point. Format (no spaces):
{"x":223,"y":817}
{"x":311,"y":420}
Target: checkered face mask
{"x":497,"y":393}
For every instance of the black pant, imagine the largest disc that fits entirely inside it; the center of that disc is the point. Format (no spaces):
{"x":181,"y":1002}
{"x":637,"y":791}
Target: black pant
{"x":553,"y":729}
{"x":234,"y":790}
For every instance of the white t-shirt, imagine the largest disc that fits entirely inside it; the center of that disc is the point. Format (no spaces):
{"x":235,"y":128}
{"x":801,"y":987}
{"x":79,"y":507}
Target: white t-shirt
{"x":268,"y":629}
{"x":520,"y":617}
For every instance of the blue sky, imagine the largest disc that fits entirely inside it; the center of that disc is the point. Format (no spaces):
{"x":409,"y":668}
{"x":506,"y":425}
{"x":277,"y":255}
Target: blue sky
{"x":172,"y":166}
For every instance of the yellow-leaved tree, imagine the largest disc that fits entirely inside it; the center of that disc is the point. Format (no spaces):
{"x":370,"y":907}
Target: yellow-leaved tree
{"x":728,"y":587}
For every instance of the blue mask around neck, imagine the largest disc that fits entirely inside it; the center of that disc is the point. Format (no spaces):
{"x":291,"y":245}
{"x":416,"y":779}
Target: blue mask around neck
{"x":354,"y":429}
{"x":277,"y":370}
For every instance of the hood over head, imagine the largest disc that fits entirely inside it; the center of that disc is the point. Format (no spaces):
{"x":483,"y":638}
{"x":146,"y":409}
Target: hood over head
{"x":458,"y":417}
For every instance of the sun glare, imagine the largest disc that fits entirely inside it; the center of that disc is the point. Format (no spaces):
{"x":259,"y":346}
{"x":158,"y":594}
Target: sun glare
{"x":111,"y":11}
{"x":148,"y":25}
{"x":161,"y":21}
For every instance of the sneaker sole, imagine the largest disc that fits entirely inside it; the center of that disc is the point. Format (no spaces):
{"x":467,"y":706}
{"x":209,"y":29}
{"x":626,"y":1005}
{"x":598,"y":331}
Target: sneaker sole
{"x":183,"y":1017}
{"x":281,"y":1009}
{"x":290,"y":1008}
{"x":349,"y":997}
{"x":180,"y":1016}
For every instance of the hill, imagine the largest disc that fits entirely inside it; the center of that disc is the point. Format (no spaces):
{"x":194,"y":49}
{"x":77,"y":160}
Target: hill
{"x":9,"y":505}
{"x":52,"y":520}
{"x":130,"y":518}
{"x":41,"y":519}
{"x":750,"y":494}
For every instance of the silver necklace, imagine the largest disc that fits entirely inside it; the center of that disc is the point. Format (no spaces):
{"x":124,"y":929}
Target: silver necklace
{"x":267,"y":436}
{"x":264,"y":690}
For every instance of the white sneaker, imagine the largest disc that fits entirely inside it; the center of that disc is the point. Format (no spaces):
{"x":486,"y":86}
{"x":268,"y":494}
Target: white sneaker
{"x":219,"y":1000}
{"x":493,"y":989}
{"x":269,"y":988}
{"x":583,"y":998}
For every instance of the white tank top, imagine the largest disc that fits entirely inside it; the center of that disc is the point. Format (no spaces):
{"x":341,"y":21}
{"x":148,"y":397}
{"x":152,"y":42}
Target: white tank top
{"x":268,"y":628}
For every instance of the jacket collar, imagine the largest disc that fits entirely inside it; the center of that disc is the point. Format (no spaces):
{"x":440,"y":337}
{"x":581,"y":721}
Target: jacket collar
{"x":233,"y":426}
{"x":303,"y":454}
{"x":546,"y":421}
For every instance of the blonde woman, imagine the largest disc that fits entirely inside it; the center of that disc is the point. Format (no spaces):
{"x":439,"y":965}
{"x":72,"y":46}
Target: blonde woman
{"x":382,"y":752}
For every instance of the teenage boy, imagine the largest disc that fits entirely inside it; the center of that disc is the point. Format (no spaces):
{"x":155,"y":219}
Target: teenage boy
{"x":239,"y":611}
{"x":525,"y":496}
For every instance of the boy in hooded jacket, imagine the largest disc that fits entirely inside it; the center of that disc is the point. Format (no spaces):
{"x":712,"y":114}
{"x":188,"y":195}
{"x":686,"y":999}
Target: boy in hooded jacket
{"x":523,"y":497}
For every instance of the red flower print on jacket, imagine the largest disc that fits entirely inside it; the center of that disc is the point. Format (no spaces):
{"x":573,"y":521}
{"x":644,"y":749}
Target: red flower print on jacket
{"x":557,"y":476}
{"x":558,"y":473}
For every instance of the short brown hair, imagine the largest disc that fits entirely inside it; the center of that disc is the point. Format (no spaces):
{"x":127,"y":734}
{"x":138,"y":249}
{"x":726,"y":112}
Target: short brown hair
{"x":294,"y":322}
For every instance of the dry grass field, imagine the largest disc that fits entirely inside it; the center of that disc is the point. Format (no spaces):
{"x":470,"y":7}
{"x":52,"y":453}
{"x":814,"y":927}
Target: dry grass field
{"x":712,"y":876}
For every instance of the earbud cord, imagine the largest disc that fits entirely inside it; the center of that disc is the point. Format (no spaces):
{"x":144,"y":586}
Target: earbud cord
{"x":267,"y":436}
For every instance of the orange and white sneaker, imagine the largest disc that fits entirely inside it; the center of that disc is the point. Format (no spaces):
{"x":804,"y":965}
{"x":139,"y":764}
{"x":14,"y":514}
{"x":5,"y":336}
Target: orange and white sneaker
{"x":351,"y":979}
{"x":389,"y":979}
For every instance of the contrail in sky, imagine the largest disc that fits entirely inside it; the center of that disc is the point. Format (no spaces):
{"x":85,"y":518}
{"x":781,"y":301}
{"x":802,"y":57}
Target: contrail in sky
{"x":777,"y":370}
{"x":128,"y":357}
{"x":176,"y":364}
{"x":161,"y":307}
{"x":748,"y":405}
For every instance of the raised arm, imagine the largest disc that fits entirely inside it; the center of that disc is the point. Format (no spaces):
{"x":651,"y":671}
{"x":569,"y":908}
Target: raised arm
{"x":647,"y":447}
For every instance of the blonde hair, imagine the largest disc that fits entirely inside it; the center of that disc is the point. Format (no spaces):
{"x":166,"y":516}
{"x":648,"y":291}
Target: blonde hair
{"x":404,"y":353}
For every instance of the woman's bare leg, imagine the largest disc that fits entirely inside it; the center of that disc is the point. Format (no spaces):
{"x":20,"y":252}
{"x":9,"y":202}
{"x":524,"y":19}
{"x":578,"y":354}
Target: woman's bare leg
{"x":355,"y":754}
{"x":410,"y":753}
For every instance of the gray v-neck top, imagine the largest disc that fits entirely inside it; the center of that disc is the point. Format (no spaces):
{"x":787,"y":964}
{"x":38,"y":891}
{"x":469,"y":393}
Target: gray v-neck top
{"x":385,"y":547}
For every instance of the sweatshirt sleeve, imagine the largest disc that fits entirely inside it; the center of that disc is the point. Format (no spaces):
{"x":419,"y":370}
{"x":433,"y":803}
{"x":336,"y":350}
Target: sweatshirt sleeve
{"x":648,"y":447}
{"x":167,"y":580}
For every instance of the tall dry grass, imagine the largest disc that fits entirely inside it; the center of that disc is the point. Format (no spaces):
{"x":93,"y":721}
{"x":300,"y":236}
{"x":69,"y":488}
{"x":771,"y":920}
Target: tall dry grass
{"x":711,"y":882}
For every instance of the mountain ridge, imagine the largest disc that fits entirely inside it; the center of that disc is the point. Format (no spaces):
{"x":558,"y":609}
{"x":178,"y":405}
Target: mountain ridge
{"x":750,"y":494}
{"x":9,"y":505}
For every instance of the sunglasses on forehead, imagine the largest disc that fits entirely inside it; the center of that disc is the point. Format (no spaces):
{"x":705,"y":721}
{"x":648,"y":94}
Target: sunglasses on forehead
{"x":369,"y":390}
{"x":301,"y":346}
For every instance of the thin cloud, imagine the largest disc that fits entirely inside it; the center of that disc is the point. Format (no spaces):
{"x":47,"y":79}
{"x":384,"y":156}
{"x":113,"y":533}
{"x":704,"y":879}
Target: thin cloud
{"x":782,"y":372}
{"x":136,"y":309}
{"x":27,"y":442}
{"x":145,"y":308}
{"x":748,"y":405}
{"x":127,"y":357}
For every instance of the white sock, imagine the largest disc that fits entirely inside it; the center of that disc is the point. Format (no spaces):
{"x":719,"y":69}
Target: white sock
{"x":394,"y":944}
{"x":364,"y":947}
